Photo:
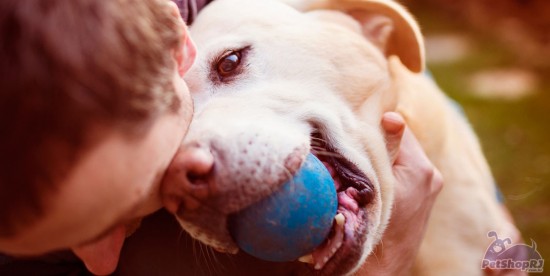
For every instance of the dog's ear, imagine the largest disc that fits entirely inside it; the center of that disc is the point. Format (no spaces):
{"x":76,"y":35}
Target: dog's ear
{"x":387,"y":24}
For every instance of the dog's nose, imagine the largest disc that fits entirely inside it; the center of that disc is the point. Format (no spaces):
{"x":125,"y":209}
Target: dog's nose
{"x":188,"y":180}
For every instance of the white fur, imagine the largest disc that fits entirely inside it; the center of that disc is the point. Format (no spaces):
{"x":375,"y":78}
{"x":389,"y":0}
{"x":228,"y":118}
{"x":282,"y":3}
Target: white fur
{"x":318,"y":67}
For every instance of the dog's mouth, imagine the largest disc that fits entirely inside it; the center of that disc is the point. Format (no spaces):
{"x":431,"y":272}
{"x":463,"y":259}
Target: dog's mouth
{"x":344,"y":245}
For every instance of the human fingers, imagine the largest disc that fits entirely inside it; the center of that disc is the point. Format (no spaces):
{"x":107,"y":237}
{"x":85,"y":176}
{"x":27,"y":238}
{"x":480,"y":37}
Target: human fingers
{"x":437,"y":182}
{"x":414,"y":171}
{"x":393,"y":125}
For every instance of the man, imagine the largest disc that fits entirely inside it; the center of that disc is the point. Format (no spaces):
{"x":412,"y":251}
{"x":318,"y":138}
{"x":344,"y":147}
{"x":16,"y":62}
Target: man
{"x":92,"y":117}
{"x":93,"y":110}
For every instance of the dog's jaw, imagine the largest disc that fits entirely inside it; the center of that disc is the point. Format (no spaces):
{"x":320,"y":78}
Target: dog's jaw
{"x":359,"y":199}
{"x":251,"y":160}
{"x":284,"y":136}
{"x":344,"y":247}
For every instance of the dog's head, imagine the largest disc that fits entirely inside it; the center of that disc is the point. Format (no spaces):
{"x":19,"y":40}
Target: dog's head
{"x":272,"y":83}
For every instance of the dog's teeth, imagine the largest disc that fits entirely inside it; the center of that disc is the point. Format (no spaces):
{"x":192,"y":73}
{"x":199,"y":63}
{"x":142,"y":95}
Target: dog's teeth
{"x":308,"y":259}
{"x":340,"y":219}
{"x":325,"y":260}
{"x":318,"y":266}
{"x":334,"y":250}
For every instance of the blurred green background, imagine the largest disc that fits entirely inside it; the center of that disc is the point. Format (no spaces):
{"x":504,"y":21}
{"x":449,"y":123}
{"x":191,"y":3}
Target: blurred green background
{"x":493,"y":57}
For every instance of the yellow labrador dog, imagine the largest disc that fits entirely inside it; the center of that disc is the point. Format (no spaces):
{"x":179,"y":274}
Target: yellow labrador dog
{"x":273,"y":82}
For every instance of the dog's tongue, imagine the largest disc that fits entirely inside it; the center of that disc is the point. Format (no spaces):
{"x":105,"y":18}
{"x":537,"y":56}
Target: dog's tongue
{"x":101,"y":257}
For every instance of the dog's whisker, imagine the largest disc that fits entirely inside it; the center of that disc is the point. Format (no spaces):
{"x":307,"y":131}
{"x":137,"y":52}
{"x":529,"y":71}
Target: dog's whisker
{"x":198,"y":254}
{"x":211,"y":259}
{"x":179,"y":249}
{"x":205,"y":253}
{"x":321,"y":149}
{"x":195,"y":253}
{"x":218,"y":265}
{"x":375,"y":253}
{"x":318,"y":143}
{"x":206,"y":257}
{"x":315,"y":143}
{"x":202,"y":261}
{"x":285,"y":170}
{"x":317,"y":148}
{"x":317,"y":139}
{"x":329,"y":154}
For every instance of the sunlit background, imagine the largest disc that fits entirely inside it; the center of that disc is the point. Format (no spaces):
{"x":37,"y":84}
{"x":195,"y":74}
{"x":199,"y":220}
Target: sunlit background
{"x":493,"y":57}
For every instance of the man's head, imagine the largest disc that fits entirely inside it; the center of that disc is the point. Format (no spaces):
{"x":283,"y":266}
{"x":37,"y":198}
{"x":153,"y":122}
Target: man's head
{"x":92,"y":111}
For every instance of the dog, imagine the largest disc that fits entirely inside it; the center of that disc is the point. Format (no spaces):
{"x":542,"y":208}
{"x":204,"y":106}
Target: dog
{"x":275,"y":80}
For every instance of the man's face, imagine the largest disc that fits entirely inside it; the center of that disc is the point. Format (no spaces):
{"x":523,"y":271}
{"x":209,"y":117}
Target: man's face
{"x":110,"y":188}
{"x":113,"y":185}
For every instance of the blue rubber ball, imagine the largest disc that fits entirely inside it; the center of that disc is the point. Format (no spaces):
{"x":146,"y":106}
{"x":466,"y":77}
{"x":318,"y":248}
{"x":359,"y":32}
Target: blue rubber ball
{"x":291,"y":222}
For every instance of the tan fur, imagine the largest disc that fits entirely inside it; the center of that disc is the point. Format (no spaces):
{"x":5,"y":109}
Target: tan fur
{"x":320,"y":66}
{"x":466,"y":209}
{"x":455,"y":241}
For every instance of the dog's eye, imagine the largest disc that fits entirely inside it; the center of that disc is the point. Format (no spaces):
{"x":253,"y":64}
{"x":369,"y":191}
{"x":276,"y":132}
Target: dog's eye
{"x":229,"y":64}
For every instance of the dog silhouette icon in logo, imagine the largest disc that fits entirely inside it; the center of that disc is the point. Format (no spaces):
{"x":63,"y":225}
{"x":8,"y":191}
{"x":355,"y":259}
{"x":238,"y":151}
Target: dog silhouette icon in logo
{"x":518,"y":256}
{"x":497,"y":247}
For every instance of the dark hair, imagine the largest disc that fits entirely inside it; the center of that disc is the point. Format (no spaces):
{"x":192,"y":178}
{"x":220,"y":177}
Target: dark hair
{"x":66,"y":66}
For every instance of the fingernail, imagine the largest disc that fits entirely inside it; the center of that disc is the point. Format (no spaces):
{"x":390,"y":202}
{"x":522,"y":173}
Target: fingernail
{"x":393,"y":122}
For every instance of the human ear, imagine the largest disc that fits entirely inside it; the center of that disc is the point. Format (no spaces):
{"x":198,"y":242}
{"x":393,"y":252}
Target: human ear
{"x":184,"y":54}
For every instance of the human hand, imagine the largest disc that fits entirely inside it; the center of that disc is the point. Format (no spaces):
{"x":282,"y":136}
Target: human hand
{"x":418,"y":183}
